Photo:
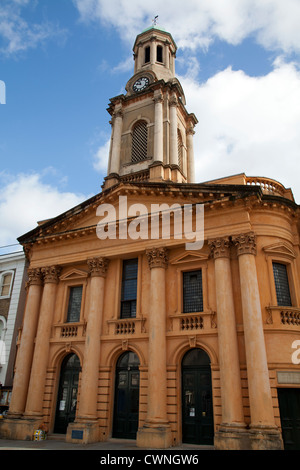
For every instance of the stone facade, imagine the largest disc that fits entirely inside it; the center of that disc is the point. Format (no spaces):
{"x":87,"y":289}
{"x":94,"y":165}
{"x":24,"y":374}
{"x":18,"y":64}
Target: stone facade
{"x":245,"y":337}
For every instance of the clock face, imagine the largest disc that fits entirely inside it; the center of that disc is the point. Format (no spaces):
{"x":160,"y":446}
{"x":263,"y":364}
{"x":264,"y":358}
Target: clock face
{"x":141,"y":84}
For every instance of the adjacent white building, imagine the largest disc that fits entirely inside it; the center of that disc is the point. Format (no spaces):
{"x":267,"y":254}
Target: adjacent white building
{"x":12,"y":301}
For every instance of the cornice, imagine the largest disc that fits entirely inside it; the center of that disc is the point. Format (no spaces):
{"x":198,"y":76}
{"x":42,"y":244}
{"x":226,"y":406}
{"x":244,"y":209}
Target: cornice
{"x":215,"y":198}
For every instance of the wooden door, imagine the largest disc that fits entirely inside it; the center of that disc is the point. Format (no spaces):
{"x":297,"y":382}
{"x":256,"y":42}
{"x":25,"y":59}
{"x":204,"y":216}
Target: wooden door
{"x":67,"y":393}
{"x":127,"y":389}
{"x":197,"y":409}
{"x":289,"y":406}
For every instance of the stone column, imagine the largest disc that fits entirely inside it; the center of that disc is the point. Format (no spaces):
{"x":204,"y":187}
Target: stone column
{"x":25,"y":352}
{"x":116,"y":141}
{"x":264,"y":430}
{"x":166,"y":57}
{"x":34,"y":405}
{"x":229,"y":435}
{"x":158,"y":128}
{"x":173,"y":132}
{"x":153,"y":51}
{"x":190,"y":155}
{"x":156,"y":432}
{"x":87,"y":416}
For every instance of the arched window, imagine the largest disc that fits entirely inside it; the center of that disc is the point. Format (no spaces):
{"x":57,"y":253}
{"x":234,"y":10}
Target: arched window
{"x":147,"y":54}
{"x":139,"y":142}
{"x":6,"y":283}
{"x":159,"y":54}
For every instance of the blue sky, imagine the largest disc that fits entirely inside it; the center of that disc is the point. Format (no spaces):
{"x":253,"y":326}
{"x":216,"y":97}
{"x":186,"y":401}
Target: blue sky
{"x":62,"y":60}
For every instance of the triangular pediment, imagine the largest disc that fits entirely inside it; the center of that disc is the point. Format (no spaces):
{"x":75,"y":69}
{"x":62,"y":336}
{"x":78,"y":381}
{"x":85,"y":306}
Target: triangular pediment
{"x":74,"y":274}
{"x":282,"y":249}
{"x":189,"y":257}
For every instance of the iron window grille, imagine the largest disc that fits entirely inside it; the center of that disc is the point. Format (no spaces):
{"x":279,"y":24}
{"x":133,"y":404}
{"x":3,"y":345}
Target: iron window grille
{"x":282,"y":285}
{"x":129,"y":288}
{"x":74,"y":305}
{"x":192,"y":292}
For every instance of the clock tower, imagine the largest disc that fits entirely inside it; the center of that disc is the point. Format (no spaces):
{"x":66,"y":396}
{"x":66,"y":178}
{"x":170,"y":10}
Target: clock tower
{"x":152,"y":132}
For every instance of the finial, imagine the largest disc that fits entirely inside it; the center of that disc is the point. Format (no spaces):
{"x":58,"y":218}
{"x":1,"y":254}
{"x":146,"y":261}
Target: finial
{"x":154,"y":21}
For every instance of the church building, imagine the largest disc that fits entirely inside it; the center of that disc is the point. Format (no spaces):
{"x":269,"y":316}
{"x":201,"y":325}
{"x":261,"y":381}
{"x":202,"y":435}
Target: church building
{"x":162,"y":310}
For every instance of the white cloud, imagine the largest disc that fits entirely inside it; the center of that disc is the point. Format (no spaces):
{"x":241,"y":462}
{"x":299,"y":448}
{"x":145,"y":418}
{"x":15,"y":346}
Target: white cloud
{"x":25,"y":199}
{"x":247,"y":124}
{"x":101,"y":157}
{"x":274,"y":23}
{"x":16,"y":34}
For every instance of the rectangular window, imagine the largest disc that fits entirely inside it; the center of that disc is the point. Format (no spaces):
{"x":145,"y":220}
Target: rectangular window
{"x":147,"y":54}
{"x":159,"y":54}
{"x":192,"y":291}
{"x":5,"y":285}
{"x":129,"y":288}
{"x":74,"y":306}
{"x":282,"y":284}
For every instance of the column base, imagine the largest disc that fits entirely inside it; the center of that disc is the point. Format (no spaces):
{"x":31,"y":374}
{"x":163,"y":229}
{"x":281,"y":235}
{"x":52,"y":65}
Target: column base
{"x":232,"y":437}
{"x":265,"y":438}
{"x":83,"y":432}
{"x":19,"y":428}
{"x":154,"y":436}
{"x":256,"y":438}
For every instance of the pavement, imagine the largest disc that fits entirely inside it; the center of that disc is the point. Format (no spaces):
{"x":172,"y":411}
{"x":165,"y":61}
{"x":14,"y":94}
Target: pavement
{"x":59,"y":443}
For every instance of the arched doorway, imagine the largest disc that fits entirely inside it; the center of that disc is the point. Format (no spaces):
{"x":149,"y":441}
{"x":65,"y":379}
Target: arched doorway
{"x":197,"y":409}
{"x":67,"y":393}
{"x":127,"y":388}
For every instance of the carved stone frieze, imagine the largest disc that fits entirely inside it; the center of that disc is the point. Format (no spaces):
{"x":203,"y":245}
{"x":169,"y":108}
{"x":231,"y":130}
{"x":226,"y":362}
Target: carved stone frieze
{"x":98,"y":266}
{"x":157,"y":257}
{"x":245,"y":243}
{"x":220,"y":247}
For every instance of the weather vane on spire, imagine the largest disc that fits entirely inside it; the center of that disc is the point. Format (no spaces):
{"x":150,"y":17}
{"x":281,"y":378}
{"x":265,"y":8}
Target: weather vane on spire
{"x":154,"y":21}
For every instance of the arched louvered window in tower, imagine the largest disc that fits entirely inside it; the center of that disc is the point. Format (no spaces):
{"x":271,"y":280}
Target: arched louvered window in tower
{"x":139,"y":142}
{"x":179,"y":145}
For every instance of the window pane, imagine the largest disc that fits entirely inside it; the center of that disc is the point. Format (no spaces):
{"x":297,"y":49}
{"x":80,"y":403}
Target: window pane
{"x":192,"y":292}
{"x":282,"y":284}
{"x":74,"y":304}
{"x":129,"y":288}
{"x":6,"y":281}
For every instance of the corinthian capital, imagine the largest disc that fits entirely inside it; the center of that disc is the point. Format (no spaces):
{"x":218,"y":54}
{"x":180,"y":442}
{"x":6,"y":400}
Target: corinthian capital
{"x":118,"y":113}
{"x":245,"y":243}
{"x":220,"y":247}
{"x":98,"y":266}
{"x":157,"y":257}
{"x":51,"y":274}
{"x":173,"y":101}
{"x":35,"y":277}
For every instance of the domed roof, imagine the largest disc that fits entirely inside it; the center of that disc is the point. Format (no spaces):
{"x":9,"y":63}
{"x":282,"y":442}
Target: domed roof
{"x":160,"y":28}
